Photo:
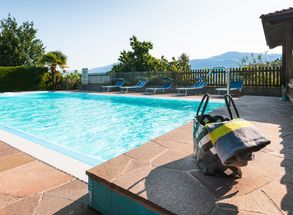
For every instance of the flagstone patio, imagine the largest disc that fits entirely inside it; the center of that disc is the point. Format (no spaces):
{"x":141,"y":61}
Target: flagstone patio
{"x":162,"y":176}
{"x":29,"y":186}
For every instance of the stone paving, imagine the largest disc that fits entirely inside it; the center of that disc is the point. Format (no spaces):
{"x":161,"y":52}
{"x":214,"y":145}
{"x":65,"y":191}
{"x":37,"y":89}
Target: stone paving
{"x":162,"y":173}
{"x":29,"y":186}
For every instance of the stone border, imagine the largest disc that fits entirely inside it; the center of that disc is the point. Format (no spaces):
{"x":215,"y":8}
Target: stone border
{"x":51,"y":157}
{"x":107,"y":172}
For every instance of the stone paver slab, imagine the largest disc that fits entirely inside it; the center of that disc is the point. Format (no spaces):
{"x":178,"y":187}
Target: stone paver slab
{"x":146,"y":151}
{"x":26,"y":206}
{"x":58,"y":205}
{"x":6,"y":150}
{"x":230,"y":210}
{"x":178,"y":135}
{"x":14,"y":161}
{"x":31,"y":178}
{"x":7,"y":199}
{"x":188,"y":127}
{"x":227,"y":187}
{"x":177,"y":146}
{"x":178,"y":192}
{"x":134,"y":165}
{"x":72,"y":191}
{"x":272,"y":166}
{"x":256,"y":202}
{"x":111,"y":169}
{"x":175,"y":160}
{"x":280,"y":194}
{"x":134,"y":181}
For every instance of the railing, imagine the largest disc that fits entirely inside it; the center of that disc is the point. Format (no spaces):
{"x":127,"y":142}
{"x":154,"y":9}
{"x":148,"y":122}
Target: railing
{"x":264,"y":77}
{"x":96,"y":78}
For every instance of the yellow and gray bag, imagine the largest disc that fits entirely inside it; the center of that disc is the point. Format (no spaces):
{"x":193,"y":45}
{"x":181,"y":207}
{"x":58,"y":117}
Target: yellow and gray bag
{"x":223,"y":145}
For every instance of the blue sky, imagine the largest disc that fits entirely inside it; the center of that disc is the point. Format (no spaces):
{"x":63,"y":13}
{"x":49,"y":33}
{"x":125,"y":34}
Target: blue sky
{"x":93,"y":32}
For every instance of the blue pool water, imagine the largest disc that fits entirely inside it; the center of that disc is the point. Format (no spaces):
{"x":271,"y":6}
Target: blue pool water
{"x":92,"y":128}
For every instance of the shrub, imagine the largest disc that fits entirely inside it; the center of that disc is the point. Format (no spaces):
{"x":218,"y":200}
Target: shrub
{"x":64,"y":81}
{"x":72,"y":80}
{"x":46,"y":82}
{"x":21,"y":78}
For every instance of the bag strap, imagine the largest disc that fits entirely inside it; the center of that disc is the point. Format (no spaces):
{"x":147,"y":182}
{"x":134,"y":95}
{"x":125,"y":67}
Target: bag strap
{"x":228,"y":101}
{"x":205,"y":100}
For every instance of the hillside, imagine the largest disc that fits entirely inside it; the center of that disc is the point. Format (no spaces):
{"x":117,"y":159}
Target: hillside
{"x":228,"y":59}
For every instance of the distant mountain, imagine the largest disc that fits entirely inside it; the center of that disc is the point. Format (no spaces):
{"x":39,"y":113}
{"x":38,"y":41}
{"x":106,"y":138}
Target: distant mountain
{"x":102,"y":69}
{"x":228,"y":59}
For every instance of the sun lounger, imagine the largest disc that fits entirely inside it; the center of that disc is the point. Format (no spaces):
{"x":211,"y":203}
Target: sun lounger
{"x":234,"y":86}
{"x":197,"y":86}
{"x":166,"y":86}
{"x":118,"y":84}
{"x":139,"y":85}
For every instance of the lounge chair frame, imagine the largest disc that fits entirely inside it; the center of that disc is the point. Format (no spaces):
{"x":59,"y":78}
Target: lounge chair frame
{"x":186,"y":89}
{"x":114,"y":86}
{"x":141,"y":84}
{"x":163,"y":89}
{"x":240,"y":78}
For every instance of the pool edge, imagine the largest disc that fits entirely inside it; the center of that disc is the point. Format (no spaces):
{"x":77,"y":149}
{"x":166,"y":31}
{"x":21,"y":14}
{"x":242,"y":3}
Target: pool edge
{"x":47,"y":155}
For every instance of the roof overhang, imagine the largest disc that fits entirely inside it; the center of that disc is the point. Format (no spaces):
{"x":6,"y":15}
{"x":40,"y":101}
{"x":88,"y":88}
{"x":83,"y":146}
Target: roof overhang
{"x":274,"y":25}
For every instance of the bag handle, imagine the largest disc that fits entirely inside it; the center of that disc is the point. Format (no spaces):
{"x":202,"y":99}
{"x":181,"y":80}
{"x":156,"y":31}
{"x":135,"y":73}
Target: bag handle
{"x":228,"y":101}
{"x":205,"y":100}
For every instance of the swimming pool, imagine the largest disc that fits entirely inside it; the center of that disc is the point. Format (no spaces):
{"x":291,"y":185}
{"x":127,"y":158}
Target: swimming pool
{"x":92,"y":128}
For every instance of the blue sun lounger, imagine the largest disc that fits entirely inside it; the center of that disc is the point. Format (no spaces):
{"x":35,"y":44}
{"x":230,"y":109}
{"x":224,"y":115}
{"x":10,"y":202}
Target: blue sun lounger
{"x":166,"y":86}
{"x":197,"y":86}
{"x":234,"y":86}
{"x":139,"y":85}
{"x":118,"y":84}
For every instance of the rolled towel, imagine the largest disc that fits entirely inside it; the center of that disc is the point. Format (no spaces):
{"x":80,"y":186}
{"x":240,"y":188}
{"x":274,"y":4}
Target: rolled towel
{"x":235,"y":141}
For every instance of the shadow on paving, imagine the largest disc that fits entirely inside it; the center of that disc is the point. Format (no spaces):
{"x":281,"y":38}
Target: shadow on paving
{"x":272,"y":110}
{"x":266,"y":186}
{"x":78,"y":207}
{"x":182,"y":189}
{"x":267,"y":183}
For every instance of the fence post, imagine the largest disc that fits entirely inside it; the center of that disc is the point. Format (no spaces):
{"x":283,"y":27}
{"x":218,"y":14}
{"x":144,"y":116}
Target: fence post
{"x":84,"y":76}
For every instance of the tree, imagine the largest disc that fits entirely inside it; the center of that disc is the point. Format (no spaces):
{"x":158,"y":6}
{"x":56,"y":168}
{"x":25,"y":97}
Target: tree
{"x":53,"y":60}
{"x":18,"y":44}
{"x":183,"y":62}
{"x":259,"y":60}
{"x":139,"y":59}
{"x":179,"y":65}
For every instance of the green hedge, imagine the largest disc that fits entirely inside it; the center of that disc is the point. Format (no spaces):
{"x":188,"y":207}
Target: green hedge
{"x":20,"y":78}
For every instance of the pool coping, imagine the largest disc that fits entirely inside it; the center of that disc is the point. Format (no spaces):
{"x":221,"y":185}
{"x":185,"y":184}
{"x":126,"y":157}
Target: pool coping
{"x":102,"y":172}
{"x":167,"y":96}
{"x":49,"y":156}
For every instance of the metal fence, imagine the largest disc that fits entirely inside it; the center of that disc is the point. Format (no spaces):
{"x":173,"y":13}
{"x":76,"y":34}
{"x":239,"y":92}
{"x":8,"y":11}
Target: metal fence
{"x":96,"y":78}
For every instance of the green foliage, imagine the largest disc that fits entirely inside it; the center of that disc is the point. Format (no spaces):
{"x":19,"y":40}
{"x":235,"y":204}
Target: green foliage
{"x":139,"y":59}
{"x":18,"y":44}
{"x":54,"y":60}
{"x":48,"y":82}
{"x":64,"y":81}
{"x":20,"y":78}
{"x":72,"y":81}
{"x":259,"y":60}
{"x":259,"y":63}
